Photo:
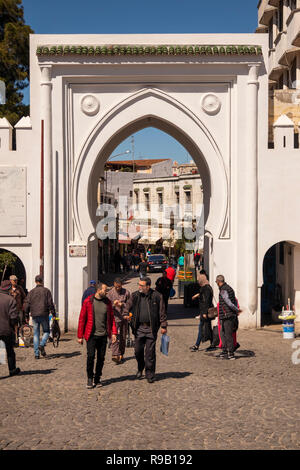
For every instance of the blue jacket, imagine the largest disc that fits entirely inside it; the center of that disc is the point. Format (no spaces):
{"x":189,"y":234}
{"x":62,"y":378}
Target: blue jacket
{"x":89,"y":291}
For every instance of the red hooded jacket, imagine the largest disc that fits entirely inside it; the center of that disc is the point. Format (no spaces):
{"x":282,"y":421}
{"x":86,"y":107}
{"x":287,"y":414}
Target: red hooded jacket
{"x":86,"y":319}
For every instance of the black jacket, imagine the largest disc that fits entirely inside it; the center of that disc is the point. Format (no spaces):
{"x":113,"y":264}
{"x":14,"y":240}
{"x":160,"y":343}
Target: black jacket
{"x":225,"y":311}
{"x":39,"y":302}
{"x":205,"y":300}
{"x":158,"y":317}
{"x":9,"y":314}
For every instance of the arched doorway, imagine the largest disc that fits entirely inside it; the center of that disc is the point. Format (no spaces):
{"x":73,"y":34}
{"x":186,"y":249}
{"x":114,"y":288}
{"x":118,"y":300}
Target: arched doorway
{"x":17,"y":268}
{"x":281,"y":269}
{"x":152,"y":108}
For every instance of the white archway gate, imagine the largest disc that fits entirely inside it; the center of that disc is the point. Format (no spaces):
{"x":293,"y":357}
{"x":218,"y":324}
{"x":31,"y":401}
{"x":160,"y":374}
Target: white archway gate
{"x":209,"y":94}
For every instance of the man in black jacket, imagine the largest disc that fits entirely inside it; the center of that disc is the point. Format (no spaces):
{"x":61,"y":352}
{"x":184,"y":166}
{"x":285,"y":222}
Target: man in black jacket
{"x":9,"y":317}
{"x":228,"y":317}
{"x":40,"y":304}
{"x":148,"y":315}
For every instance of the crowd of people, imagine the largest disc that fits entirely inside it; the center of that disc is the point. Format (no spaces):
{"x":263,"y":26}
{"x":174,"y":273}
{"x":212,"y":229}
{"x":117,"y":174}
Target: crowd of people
{"x":107,"y":315}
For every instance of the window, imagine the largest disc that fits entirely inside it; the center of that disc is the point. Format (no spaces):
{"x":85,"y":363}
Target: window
{"x":270,"y":27}
{"x":177,"y":197}
{"x":137,"y":200}
{"x":280,"y":16}
{"x":160,"y":201}
{"x":130,"y":194}
{"x":280,"y":82}
{"x":188,"y":198}
{"x":147,"y":201}
{"x":293,"y":4}
{"x":293,"y":74}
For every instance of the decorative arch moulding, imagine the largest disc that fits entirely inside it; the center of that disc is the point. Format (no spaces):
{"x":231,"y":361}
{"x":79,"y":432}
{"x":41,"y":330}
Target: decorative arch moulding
{"x":114,"y":50}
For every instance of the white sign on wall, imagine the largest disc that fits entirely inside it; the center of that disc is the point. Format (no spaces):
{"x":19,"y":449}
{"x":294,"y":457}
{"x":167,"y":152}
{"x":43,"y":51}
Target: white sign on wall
{"x":77,"y":251}
{"x":13,"y":201}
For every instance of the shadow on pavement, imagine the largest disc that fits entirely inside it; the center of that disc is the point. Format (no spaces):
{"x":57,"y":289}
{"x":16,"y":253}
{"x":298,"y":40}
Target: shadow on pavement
{"x":31,"y":372}
{"x":158,"y":377}
{"x":172,"y":375}
{"x":63,"y":355}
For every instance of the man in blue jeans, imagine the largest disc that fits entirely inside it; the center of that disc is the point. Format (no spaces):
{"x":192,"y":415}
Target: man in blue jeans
{"x":39,"y":303}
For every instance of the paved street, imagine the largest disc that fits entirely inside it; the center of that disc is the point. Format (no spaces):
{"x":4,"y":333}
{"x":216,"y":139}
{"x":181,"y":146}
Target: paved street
{"x":197,"y":402}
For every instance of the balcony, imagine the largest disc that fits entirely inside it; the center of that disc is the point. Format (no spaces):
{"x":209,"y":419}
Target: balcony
{"x":293,"y":29}
{"x":275,"y":68}
{"x":265,"y":13}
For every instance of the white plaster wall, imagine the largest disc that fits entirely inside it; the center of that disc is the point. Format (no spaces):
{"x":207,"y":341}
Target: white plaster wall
{"x":228,"y":129}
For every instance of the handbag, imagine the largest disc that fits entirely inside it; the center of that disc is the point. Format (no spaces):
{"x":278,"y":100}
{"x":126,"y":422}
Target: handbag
{"x":212,"y":313}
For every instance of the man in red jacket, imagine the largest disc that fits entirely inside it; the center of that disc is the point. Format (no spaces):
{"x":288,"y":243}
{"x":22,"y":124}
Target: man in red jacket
{"x":96,"y":323}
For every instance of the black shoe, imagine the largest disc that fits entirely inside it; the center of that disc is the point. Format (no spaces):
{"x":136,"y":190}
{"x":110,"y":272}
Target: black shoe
{"x":14,"y":372}
{"x":139,"y":374}
{"x":194,"y":348}
{"x":150,"y":380}
{"x":231,"y":357}
{"x":36,"y":357}
{"x":222,"y":355}
{"x":210,"y":348}
{"x":97,"y":383}
{"x":89,"y":384}
{"x":237,"y":346}
{"x":42,"y":349}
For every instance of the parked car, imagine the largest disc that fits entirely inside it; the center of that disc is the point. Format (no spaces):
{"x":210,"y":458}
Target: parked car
{"x":157,"y":263}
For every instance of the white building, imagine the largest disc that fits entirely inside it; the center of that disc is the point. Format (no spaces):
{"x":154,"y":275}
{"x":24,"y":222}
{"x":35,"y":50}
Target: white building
{"x":169,"y":208}
{"x":88,"y":93}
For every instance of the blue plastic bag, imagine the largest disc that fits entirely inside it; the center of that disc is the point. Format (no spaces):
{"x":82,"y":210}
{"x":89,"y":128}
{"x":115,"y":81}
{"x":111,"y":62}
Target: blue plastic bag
{"x":164,"y":345}
{"x":172,"y":292}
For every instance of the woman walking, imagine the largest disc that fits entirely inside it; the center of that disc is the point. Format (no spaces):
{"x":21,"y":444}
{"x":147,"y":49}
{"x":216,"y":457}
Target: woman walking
{"x":205,"y":302}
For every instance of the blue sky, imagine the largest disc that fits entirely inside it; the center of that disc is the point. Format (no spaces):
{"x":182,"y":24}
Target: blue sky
{"x":140,"y":16}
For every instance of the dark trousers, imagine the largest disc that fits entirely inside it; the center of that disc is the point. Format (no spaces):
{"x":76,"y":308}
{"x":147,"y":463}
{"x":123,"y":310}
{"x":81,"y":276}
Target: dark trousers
{"x":9,"y":342}
{"x":95,"y":343}
{"x":145,"y":353}
{"x":226,"y":332}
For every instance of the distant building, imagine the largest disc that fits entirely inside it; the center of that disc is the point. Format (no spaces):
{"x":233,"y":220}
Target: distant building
{"x":281,"y":20}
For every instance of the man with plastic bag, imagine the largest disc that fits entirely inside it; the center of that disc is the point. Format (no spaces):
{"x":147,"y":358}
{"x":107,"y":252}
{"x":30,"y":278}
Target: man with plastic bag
{"x":9,"y":317}
{"x":148,"y":315}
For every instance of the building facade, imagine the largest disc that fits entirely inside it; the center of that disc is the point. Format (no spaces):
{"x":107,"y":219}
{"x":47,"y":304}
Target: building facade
{"x":89,"y":93}
{"x":280,"y":19}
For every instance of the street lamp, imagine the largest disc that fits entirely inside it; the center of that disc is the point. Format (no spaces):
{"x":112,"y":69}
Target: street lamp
{"x":118,"y":154}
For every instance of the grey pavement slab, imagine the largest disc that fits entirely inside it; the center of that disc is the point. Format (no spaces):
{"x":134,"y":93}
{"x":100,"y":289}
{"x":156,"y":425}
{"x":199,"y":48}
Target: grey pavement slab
{"x":197,"y":402}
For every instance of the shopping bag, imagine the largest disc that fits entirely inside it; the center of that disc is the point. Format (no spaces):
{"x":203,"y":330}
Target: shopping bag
{"x":172,"y":292}
{"x":2,"y":352}
{"x":164,"y":345}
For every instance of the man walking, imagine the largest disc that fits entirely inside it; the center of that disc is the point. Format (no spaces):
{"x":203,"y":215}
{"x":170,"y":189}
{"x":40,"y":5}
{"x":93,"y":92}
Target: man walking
{"x":148,"y":315}
{"x":119,"y":297}
{"x":91,"y":290}
{"x":9,"y":317}
{"x":17,"y":292}
{"x":96,"y":323}
{"x":164,"y":286}
{"x":40,"y":304}
{"x":228,"y":316}
{"x":143,"y":267}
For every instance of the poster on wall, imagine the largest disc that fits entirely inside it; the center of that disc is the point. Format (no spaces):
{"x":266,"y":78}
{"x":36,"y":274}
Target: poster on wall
{"x":13,"y":202}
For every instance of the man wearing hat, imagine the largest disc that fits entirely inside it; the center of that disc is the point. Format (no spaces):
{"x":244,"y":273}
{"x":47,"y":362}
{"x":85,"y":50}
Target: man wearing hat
{"x":18,"y":294}
{"x":91,"y":290}
{"x":40,"y":304}
{"x":8,"y":319}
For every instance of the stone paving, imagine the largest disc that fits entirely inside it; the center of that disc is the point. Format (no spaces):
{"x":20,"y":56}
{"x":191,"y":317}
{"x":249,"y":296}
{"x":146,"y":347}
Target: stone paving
{"x":197,"y":402}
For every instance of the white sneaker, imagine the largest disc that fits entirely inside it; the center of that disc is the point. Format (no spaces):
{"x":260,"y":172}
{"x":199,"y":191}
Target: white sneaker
{"x":198,"y":317}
